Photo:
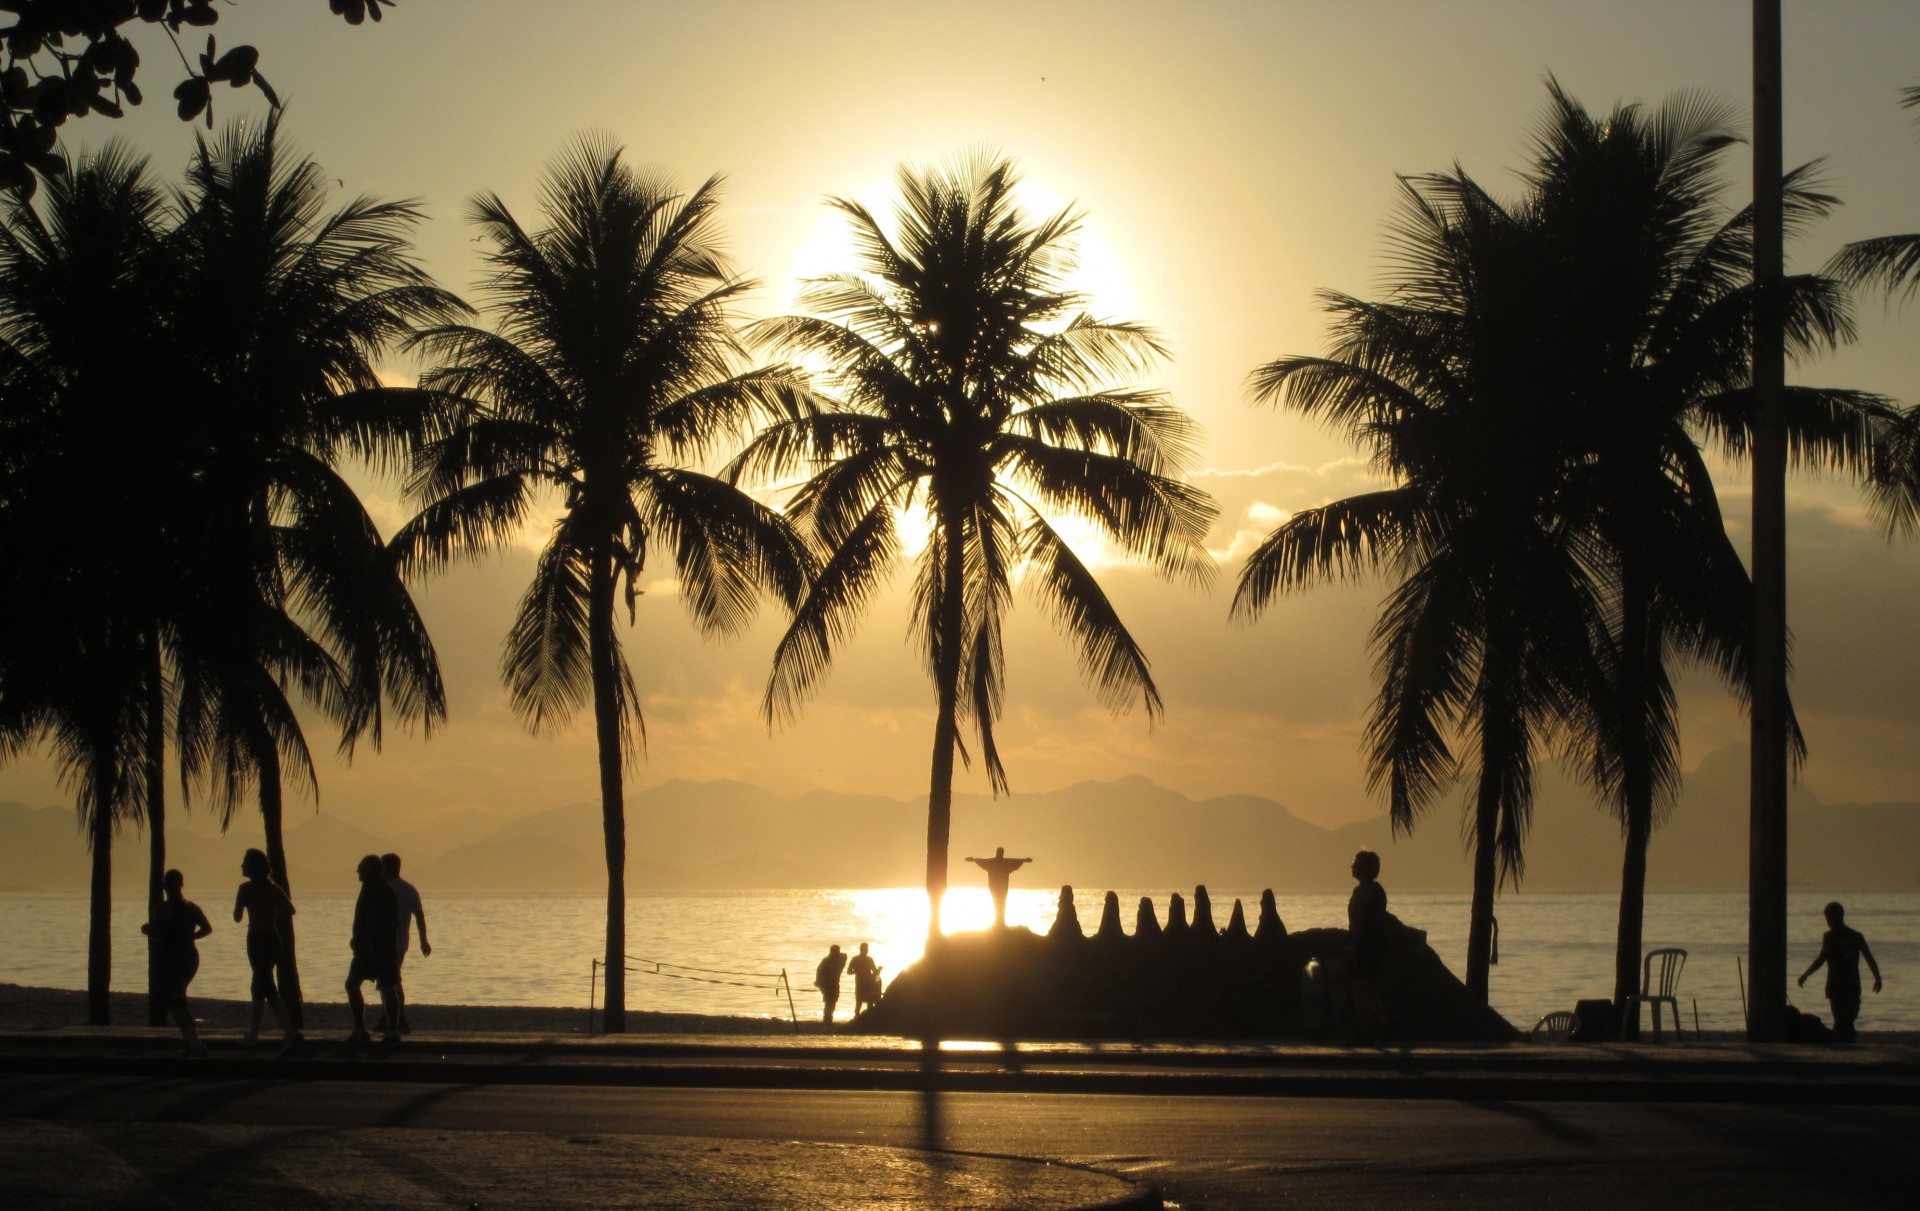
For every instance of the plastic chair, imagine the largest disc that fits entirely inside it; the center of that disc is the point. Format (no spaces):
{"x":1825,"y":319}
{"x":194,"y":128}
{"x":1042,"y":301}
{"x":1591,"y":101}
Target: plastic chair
{"x":1659,"y":978}
{"x":1557,"y":1025}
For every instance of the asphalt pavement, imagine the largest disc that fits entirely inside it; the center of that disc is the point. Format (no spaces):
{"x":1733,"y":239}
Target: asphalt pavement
{"x":56,"y":1152}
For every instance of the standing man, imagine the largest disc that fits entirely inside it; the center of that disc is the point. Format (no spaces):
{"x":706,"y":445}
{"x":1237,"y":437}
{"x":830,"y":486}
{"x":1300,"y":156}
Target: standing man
{"x":407,"y":898}
{"x":376,"y":918}
{"x":999,"y":870}
{"x":826,"y":978}
{"x":866,"y":980}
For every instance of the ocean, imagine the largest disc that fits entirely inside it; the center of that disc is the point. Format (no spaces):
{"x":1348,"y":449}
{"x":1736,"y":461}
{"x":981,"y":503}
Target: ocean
{"x":724,"y":952}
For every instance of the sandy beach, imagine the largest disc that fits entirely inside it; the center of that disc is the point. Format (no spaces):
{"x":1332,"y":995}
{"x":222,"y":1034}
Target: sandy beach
{"x":33,"y":1009}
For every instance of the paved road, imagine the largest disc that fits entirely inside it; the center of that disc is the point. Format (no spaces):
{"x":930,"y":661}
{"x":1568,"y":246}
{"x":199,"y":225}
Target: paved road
{"x":1203,"y":1152}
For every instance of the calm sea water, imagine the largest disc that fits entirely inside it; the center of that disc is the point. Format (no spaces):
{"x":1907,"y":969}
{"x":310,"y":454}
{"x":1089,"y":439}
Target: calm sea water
{"x":538,"y":949}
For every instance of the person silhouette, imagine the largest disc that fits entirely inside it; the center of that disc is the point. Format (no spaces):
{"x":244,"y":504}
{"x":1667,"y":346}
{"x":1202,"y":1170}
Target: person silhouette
{"x":376,"y":918}
{"x":407,"y":898}
{"x":265,"y":906}
{"x":999,"y":870}
{"x":1367,"y":938}
{"x":1841,"y":949}
{"x":177,"y":924}
{"x":826,"y":978}
{"x":866,"y":980}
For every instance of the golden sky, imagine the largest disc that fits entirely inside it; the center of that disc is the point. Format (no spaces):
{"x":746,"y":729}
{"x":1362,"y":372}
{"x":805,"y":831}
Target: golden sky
{"x":1232,"y":158}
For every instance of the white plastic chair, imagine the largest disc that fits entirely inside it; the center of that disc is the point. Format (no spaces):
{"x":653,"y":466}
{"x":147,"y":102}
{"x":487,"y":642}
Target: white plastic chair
{"x":1556,"y":1026}
{"x":1659,"y":978}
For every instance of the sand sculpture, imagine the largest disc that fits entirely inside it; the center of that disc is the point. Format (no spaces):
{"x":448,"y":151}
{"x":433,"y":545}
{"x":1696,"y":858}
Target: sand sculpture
{"x":1187,"y":980}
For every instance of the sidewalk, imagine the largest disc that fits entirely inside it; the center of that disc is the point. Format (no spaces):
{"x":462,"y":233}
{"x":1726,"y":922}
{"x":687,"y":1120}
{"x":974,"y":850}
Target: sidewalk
{"x":81,"y":1166}
{"x":67,"y":1165}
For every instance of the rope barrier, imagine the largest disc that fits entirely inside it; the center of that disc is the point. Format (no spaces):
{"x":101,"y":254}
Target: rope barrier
{"x":712,"y":971}
{"x":772,"y":986}
{"x":776,"y":983}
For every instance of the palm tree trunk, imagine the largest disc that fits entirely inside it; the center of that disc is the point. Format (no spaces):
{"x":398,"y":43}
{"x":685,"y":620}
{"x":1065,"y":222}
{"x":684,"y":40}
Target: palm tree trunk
{"x":1636,"y":793}
{"x":100,"y":928}
{"x":613,"y":812}
{"x":156,"y":819}
{"x":1497,"y":742}
{"x":272,"y":810}
{"x":946,"y":727}
{"x":1486,"y":831}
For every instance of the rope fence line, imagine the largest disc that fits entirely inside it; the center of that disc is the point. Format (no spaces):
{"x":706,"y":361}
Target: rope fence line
{"x":669,"y":975}
{"x":714,"y":971}
{"x":774,"y":982}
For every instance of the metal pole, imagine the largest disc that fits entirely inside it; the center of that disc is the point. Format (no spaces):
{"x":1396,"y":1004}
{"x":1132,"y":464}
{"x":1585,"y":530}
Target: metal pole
{"x":1767,"y":854}
{"x":791,"y":1011}
{"x":593,"y":989}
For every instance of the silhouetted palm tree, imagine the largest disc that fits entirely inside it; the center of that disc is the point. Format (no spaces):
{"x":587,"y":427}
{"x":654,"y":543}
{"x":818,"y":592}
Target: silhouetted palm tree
{"x":613,"y":373}
{"x":1494,"y":629}
{"x":86,"y":467}
{"x":286,"y":306}
{"x":1653,"y":336}
{"x":972,"y":385}
{"x":1536,"y":385}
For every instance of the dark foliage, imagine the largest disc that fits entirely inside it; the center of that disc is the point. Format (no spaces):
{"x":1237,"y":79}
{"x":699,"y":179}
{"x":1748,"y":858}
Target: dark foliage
{"x":71,"y":58}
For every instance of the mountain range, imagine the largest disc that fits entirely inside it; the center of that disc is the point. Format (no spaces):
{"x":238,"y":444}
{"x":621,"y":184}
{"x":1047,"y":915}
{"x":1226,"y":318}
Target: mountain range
{"x":1124,"y":833}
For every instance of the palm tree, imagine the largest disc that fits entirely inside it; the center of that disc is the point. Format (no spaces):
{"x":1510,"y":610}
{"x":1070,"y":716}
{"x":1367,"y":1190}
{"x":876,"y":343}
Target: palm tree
{"x":1493,"y":632}
{"x":612,"y":374}
{"x":1654,"y":337}
{"x":286,"y":306}
{"x":1609,"y":309}
{"x":86,"y":468}
{"x":971,"y":384}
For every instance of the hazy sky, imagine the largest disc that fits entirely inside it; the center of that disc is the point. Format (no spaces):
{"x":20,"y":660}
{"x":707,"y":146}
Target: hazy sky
{"x":1232,"y":158}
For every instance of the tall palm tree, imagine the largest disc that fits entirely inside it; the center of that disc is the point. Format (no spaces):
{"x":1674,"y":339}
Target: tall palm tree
{"x":87,"y":466}
{"x":1654,"y":339}
{"x":972,"y":384}
{"x":1609,"y":308}
{"x":287,"y":305}
{"x":1492,"y":634}
{"x":612,"y":375}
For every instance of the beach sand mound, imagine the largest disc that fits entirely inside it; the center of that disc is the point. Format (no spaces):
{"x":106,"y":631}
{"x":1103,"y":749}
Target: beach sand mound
{"x":1014,"y":984}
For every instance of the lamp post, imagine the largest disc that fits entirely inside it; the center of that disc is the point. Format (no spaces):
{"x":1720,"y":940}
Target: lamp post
{"x":1767,"y":853}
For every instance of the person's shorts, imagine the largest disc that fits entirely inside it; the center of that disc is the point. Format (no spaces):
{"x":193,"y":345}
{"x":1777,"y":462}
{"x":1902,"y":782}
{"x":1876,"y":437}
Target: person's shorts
{"x":379,"y":968}
{"x":174,"y":977}
{"x":263,"y":955}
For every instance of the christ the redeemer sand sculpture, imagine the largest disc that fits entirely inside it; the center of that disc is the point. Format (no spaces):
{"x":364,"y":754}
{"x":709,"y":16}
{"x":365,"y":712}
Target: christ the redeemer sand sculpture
{"x":999,"y":870}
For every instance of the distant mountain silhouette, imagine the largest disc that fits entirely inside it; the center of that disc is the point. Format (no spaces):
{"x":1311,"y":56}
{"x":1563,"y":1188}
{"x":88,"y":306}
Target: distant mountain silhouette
{"x":1095,"y":835}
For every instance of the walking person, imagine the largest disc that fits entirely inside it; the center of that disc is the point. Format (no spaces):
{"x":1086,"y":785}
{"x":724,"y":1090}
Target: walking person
{"x":376,"y":917}
{"x":1841,"y":949}
{"x":177,"y":925}
{"x":866,"y":980}
{"x":407,"y":899}
{"x":266,"y":909}
{"x":826,"y":978}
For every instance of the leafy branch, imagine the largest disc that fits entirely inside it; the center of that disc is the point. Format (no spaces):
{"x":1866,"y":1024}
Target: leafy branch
{"x":67,"y":59}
